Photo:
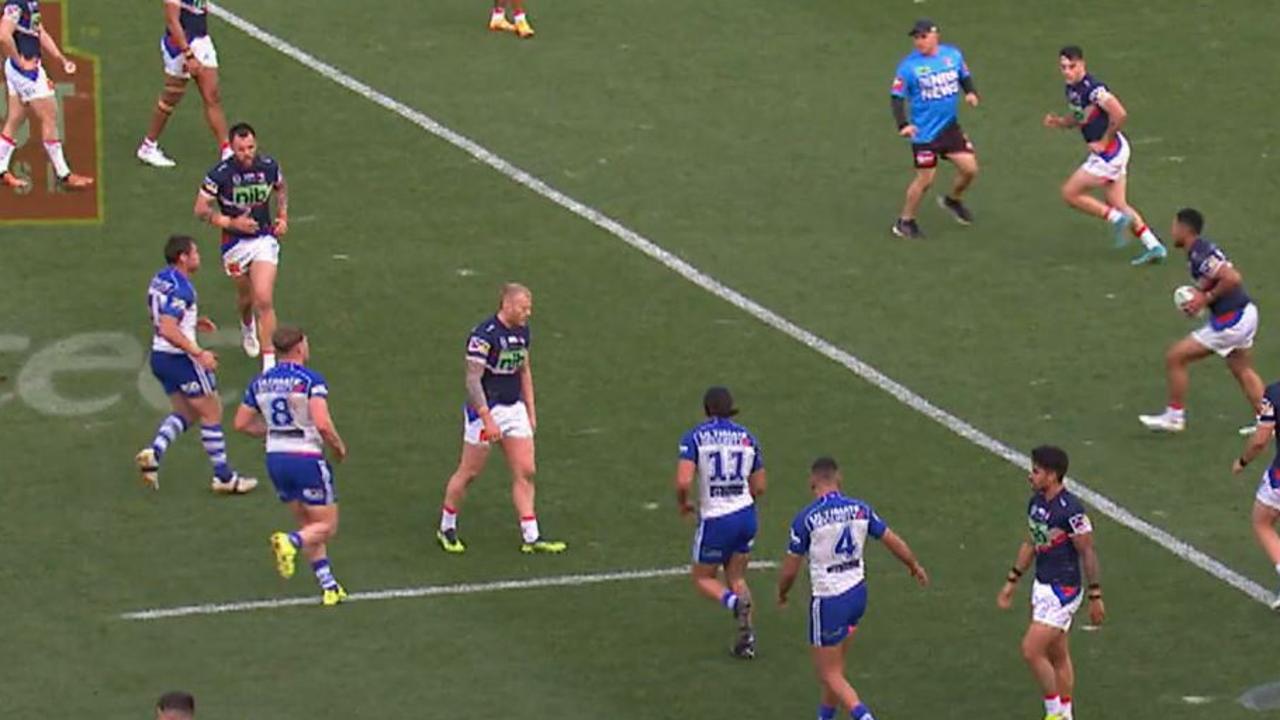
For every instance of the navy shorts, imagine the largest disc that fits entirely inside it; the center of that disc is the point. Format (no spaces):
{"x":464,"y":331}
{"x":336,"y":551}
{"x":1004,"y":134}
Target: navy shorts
{"x":180,"y":373}
{"x":302,"y":478}
{"x":720,"y":538}
{"x":831,"y":619}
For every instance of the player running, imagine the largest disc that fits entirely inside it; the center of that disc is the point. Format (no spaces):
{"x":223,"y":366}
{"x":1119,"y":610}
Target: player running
{"x":1061,"y":540}
{"x":1233,"y":321}
{"x":289,"y":405}
{"x":500,"y":408}
{"x":832,"y":532}
{"x":730,"y":469}
{"x":242,"y":186}
{"x":185,"y":370}
{"x":498,"y":21}
{"x":1266,"y":501}
{"x":22,"y":39}
{"x":931,"y":79}
{"x":1099,"y":116}
{"x":187,"y":52}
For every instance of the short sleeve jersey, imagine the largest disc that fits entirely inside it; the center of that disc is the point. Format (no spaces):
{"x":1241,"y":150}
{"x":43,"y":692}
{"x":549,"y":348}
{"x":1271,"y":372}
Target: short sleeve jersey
{"x":725,"y":454}
{"x":283,"y":396}
{"x":832,"y":532}
{"x":503,"y":351}
{"x":931,"y":84}
{"x":1053,"y":523}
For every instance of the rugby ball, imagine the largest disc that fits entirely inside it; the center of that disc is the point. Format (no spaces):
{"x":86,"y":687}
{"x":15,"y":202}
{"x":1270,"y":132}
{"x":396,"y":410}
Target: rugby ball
{"x":1182,"y":296}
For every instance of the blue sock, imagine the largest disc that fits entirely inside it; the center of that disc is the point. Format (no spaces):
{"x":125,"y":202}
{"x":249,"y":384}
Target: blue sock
{"x":861,"y":712}
{"x":729,"y":600}
{"x":826,"y":712}
{"x":170,"y":428}
{"x":215,"y":446}
{"x":324,"y":574}
{"x":295,"y":539}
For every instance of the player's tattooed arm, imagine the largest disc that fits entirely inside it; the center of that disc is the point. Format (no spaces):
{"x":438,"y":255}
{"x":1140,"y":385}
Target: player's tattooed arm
{"x":282,"y":206}
{"x":475,"y":388}
{"x":204,"y":211}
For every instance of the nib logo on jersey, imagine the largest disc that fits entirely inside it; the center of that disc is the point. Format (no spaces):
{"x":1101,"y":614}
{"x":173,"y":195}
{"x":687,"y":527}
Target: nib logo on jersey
{"x":45,"y":201}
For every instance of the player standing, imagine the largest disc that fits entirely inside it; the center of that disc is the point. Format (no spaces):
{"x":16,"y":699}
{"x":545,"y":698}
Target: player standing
{"x":187,"y":52}
{"x":931,"y":78}
{"x":726,"y":458}
{"x":289,"y":406}
{"x":242,"y":186}
{"x":1233,"y":321}
{"x":22,"y":38}
{"x":1061,"y":540}
{"x":832,"y":531}
{"x":185,"y":370}
{"x":1099,"y":116}
{"x":498,"y":21}
{"x":500,"y":408}
{"x":1266,"y":501}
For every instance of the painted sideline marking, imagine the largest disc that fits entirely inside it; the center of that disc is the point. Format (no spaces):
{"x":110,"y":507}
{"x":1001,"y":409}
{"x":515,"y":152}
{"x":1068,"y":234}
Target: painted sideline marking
{"x":424,"y":591}
{"x":899,"y":391}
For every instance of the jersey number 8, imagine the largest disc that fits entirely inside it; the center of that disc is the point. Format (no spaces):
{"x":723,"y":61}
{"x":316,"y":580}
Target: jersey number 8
{"x":281,"y":415}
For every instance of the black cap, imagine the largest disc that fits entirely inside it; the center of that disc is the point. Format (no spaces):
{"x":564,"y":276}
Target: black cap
{"x":922,"y":26}
{"x":717,"y":402}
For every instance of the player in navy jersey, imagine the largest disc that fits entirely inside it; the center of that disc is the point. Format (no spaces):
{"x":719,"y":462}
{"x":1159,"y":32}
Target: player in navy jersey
{"x":289,"y":406}
{"x":242,"y":187}
{"x":726,"y":460}
{"x":1229,"y":332}
{"x":519,"y":23}
{"x":1098,"y":114}
{"x":1061,"y":540}
{"x":186,"y":52}
{"x":185,"y":370}
{"x":832,"y":533}
{"x":22,"y":40}
{"x":1266,"y":501}
{"x":931,"y":79}
{"x":499,"y":408}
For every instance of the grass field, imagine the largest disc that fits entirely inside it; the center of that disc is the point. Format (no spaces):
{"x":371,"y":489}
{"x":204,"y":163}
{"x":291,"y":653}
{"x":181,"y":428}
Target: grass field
{"x":752,"y":139}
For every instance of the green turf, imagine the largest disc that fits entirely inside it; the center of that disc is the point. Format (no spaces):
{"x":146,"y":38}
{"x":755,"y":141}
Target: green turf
{"x":753,"y":139}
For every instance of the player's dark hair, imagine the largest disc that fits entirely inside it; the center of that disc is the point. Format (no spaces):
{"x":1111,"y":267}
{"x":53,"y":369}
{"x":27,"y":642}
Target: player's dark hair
{"x":1072,"y":52}
{"x":717,"y":402}
{"x":1051,"y":458}
{"x":177,"y":700}
{"x":1191,"y":218}
{"x":825,"y":467}
{"x":286,"y":338}
{"x":240,"y":130}
{"x":177,"y":246}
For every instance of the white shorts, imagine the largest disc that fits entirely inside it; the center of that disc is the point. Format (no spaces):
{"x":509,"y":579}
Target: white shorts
{"x":1268,"y":492}
{"x":1109,"y":167}
{"x":24,"y":87}
{"x":1229,"y":339}
{"x":512,"y":420}
{"x":1053,"y":608}
{"x":175,"y":65}
{"x":237,"y":258}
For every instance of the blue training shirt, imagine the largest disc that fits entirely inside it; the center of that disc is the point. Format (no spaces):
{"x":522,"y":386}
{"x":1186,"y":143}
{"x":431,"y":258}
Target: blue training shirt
{"x":931,"y":84}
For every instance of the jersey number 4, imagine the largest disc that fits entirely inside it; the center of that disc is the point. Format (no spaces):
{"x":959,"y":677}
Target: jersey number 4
{"x":845,"y":545}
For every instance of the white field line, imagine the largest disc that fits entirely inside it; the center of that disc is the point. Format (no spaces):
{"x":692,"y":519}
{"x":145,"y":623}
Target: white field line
{"x":423,"y":591}
{"x":637,"y":241}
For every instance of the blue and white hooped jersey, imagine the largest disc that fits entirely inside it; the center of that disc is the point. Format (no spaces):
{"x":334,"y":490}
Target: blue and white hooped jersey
{"x":283,"y":396}
{"x":171,"y":293}
{"x":833,"y":532}
{"x":725,"y":454}
{"x":25,"y":15}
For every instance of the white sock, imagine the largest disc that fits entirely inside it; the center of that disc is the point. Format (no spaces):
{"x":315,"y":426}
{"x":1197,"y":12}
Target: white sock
{"x":1065,"y":709}
{"x":1176,"y":412}
{"x":1051,"y":705}
{"x":54,"y":150}
{"x":499,"y":13}
{"x":519,"y":17}
{"x":7,"y":147}
{"x":1149,"y":239}
{"x":268,"y":361}
{"x":1114,"y":215}
{"x":1278,"y":568}
{"x":448,"y":519}
{"x":529,"y":528}
{"x":148,"y":142}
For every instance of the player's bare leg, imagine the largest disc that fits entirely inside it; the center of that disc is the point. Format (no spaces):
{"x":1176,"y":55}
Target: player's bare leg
{"x":176,"y":423}
{"x":735,"y":574}
{"x":1036,"y":646}
{"x":1177,"y":360}
{"x":1240,"y":362}
{"x":244,"y":310}
{"x":149,"y":151}
{"x":1116,"y":195}
{"x":906,"y":225}
{"x":520,"y":459}
{"x":262,"y":283}
{"x":828,"y":662}
{"x":966,"y":164}
{"x":207,"y":83}
{"x":1060,"y":656}
{"x":15,"y":115}
{"x":226,"y":481}
{"x":706,"y":580}
{"x":1264,"y":521}
{"x":1076,"y":193}
{"x":46,"y":111}
{"x":470,"y":465}
{"x":317,"y":524}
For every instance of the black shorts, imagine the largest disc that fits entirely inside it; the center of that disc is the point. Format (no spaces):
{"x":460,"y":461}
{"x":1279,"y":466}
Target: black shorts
{"x":951,"y":141}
